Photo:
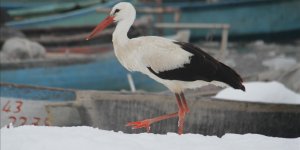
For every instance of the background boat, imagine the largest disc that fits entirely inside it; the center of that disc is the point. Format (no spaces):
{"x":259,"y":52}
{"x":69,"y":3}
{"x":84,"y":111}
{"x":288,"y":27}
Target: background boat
{"x":49,"y":9}
{"x":16,"y":4}
{"x":74,"y":36}
{"x":97,"y":72}
{"x":249,"y":18}
{"x":83,"y":17}
{"x":245,"y":17}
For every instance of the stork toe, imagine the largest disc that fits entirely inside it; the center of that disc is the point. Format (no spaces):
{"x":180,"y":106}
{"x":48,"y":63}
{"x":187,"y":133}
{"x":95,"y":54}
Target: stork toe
{"x":140,"y":124}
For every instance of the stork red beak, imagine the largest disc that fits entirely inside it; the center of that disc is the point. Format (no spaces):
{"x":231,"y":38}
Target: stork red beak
{"x":101,"y":26}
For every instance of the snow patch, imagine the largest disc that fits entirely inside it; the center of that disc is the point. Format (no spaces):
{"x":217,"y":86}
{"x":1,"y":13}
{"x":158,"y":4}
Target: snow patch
{"x":88,"y":138}
{"x":269,"y":92}
{"x":280,"y":63}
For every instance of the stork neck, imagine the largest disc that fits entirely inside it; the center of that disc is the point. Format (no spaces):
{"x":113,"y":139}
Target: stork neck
{"x":120,"y":33}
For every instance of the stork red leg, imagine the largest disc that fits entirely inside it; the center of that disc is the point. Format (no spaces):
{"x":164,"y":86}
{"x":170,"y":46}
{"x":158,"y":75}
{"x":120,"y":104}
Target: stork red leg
{"x":182,"y":106}
{"x":182,"y":110}
{"x":186,"y":108}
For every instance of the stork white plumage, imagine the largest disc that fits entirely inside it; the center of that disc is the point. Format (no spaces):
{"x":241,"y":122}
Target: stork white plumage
{"x":177,"y":65}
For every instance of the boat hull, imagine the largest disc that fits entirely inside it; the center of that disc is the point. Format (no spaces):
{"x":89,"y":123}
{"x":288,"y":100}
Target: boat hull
{"x":248,"y":18}
{"x":207,"y":116}
{"x":101,"y":73}
{"x":25,"y":105}
{"x":113,"y":110}
{"x":245,"y":17}
{"x":82,"y":17}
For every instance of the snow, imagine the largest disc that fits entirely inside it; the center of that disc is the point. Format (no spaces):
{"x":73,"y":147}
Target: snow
{"x":269,"y":92}
{"x":88,"y":138}
{"x":280,"y":63}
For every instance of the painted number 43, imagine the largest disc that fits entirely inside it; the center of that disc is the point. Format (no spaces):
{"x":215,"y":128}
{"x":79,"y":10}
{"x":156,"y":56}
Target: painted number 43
{"x":16,"y":109}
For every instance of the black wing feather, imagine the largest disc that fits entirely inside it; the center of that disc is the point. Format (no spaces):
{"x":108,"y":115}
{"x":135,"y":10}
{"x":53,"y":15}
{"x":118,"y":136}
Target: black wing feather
{"x":202,"y":67}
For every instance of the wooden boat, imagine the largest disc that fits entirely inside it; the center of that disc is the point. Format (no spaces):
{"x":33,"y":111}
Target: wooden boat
{"x":109,"y":110}
{"x":20,"y":5}
{"x":75,"y":71}
{"x":75,"y":36}
{"x":49,"y":9}
{"x":25,"y":105}
{"x":17,"y":4}
{"x":83,"y":17}
{"x":208,"y":116}
{"x":244,"y":17}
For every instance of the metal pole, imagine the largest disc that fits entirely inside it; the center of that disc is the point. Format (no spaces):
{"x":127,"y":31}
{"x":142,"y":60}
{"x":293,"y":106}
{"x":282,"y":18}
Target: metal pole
{"x":131,"y":83}
{"x":224,"y":42}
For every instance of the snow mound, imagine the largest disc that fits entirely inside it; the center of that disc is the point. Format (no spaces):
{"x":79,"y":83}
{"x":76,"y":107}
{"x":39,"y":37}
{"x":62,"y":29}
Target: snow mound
{"x":280,"y":63}
{"x":88,"y":138}
{"x":269,"y":92}
{"x":21,"y":49}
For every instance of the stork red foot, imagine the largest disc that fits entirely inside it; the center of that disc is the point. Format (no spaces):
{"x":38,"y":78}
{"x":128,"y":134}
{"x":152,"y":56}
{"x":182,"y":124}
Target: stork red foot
{"x":140,"y":124}
{"x":147,"y":122}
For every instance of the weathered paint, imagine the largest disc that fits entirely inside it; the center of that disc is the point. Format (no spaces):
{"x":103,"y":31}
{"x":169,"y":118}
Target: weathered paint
{"x":25,"y":105}
{"x":23,"y":112}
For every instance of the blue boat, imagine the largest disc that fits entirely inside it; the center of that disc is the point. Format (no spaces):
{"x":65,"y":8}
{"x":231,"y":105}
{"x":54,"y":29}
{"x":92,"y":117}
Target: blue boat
{"x":17,"y":4}
{"x":101,"y":73}
{"x":246,"y":17}
{"x":49,"y":9}
{"x":28,"y":88}
{"x":83,"y":17}
{"x":20,"y":5}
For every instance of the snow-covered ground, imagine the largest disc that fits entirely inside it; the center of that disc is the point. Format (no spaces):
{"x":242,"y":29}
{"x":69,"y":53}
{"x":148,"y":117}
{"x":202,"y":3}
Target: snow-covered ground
{"x":88,"y":138}
{"x":269,"y":92}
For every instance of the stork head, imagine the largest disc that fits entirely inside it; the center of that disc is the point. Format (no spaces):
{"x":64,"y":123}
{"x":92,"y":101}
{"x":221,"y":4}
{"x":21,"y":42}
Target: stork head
{"x":121,"y":12}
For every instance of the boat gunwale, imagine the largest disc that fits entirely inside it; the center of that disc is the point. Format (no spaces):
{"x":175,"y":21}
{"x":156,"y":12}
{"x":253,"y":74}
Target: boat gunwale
{"x":19,"y":24}
{"x":197,"y":5}
{"x":23,"y":86}
{"x":36,"y":93}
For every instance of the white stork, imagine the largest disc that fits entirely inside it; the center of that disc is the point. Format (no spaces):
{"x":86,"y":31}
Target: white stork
{"x":177,"y":65}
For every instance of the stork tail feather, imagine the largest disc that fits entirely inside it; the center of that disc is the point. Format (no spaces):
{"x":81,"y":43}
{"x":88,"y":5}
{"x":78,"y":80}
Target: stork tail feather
{"x":230,"y":77}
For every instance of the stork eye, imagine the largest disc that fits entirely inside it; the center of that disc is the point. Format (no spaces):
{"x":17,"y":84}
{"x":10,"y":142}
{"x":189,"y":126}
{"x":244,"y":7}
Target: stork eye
{"x":117,"y":10}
